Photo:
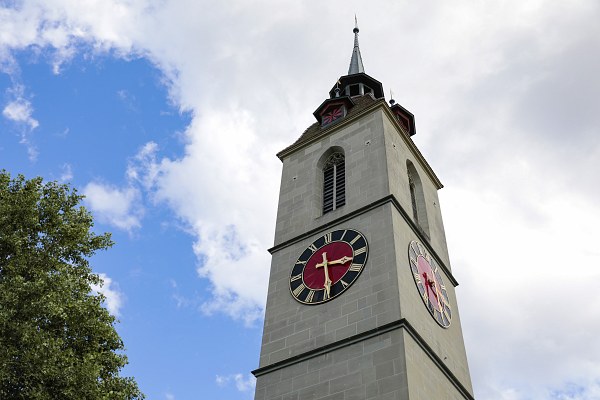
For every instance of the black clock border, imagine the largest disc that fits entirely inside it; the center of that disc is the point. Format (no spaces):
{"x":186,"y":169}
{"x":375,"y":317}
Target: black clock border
{"x":337,"y":288}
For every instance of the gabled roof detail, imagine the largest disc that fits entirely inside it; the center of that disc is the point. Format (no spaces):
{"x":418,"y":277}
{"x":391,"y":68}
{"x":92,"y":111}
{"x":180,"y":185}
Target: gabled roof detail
{"x":404,"y":117}
{"x":334,"y":102}
{"x":359,"y":104}
{"x":356,"y":64}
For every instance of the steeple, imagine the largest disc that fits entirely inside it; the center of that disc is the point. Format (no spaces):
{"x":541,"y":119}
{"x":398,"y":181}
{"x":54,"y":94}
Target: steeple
{"x":348,"y":88}
{"x":356,"y":64}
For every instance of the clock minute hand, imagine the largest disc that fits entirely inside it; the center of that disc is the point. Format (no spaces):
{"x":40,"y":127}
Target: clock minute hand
{"x":437,"y":294}
{"x":440,"y":297}
{"x":327,"y":283}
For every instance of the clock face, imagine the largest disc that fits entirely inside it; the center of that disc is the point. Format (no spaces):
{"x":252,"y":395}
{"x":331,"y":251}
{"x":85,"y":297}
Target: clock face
{"x":429,"y":282}
{"x":332,"y":115}
{"x":328,"y":266}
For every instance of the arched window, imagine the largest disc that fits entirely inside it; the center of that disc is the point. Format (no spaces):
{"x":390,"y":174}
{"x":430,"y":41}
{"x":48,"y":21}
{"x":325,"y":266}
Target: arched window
{"x":334,"y":182}
{"x":417,"y":198}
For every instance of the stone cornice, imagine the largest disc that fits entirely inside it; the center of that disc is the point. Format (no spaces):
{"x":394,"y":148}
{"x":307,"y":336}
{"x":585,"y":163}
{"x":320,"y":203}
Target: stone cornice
{"x":352,"y":214}
{"x":392,"y":326}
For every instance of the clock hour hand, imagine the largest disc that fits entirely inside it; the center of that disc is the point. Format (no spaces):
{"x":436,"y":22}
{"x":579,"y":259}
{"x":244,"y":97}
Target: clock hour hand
{"x":431,"y":284}
{"x":340,"y":261}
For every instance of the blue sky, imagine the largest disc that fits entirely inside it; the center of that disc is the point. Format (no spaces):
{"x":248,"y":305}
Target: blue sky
{"x":92,"y":118}
{"x":167,"y":115}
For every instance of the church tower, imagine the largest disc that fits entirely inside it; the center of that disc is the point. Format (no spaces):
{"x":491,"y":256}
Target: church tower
{"x":361,"y":302}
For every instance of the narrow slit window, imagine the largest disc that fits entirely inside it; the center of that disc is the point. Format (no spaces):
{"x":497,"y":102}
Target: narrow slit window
{"x":417,"y":199}
{"x":413,"y":198}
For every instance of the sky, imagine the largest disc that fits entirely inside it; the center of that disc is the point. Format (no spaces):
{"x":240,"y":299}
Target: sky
{"x":167,"y":116}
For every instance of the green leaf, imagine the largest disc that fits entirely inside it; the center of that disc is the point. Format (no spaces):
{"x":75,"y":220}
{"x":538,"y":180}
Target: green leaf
{"x":56,"y":339}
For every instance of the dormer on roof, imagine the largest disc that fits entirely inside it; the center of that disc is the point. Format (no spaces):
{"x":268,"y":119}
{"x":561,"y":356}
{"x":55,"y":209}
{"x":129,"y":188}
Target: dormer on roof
{"x":404,"y":117}
{"x":332,"y":110}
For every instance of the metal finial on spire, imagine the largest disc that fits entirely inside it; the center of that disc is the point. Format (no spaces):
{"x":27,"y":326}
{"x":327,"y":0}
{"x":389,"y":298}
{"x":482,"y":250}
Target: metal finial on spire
{"x":356,"y":64}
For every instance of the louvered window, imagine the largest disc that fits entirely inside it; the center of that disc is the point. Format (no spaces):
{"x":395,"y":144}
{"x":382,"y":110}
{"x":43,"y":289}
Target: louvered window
{"x":334,"y":183}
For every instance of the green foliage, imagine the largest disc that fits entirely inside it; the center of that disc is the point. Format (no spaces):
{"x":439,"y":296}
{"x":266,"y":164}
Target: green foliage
{"x":56,"y":339}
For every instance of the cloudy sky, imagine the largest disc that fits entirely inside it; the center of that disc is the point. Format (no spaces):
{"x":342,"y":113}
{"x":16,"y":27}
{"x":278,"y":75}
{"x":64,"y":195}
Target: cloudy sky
{"x":167,"y":115}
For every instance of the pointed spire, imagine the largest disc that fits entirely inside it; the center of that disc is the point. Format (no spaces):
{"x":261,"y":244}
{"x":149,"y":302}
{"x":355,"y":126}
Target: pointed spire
{"x":356,"y":64}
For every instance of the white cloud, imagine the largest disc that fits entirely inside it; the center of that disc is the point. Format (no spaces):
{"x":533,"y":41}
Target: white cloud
{"x":241,"y":382}
{"x":143,"y":168}
{"x":216,"y":190}
{"x":110,"y":290}
{"x":67,"y":173}
{"x":20,"y":111}
{"x":122,"y":207}
{"x":117,"y":207}
{"x":169,"y":396}
{"x":505,"y":95}
{"x":525,"y":276}
{"x":226,"y":203}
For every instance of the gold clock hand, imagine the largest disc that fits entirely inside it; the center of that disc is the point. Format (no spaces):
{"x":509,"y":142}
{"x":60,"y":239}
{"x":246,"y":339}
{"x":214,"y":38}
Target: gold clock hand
{"x":430,"y":285}
{"x":436,"y":293}
{"x":441,"y":297}
{"x":342,"y":260}
{"x":327,"y":283}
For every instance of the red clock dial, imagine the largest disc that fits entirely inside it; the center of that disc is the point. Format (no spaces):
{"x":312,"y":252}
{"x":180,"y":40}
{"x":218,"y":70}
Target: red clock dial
{"x":337,"y":256}
{"x":328,"y":266}
{"x":430,"y":284}
{"x":332,"y":115}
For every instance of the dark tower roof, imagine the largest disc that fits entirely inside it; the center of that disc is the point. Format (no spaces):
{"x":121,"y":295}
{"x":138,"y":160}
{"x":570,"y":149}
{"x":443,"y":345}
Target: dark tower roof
{"x":355,"y":89}
{"x":357,"y":82}
{"x":356,"y":64}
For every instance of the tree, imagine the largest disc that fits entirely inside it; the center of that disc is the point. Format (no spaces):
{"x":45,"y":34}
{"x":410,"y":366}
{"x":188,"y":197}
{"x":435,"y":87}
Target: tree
{"x":56,"y":339}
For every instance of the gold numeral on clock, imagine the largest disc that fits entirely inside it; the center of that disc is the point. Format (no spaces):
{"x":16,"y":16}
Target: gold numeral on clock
{"x":326,"y":294}
{"x":360,"y":251}
{"x":355,"y":267}
{"x":328,"y":238}
{"x":312,"y":247}
{"x":299,"y":290}
{"x":355,"y":239}
{"x":310,"y":296}
{"x":430,"y":305}
{"x":414,"y":247}
{"x":344,"y":283}
{"x":446,"y":311}
{"x":295,"y":278}
{"x":417,"y":277}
